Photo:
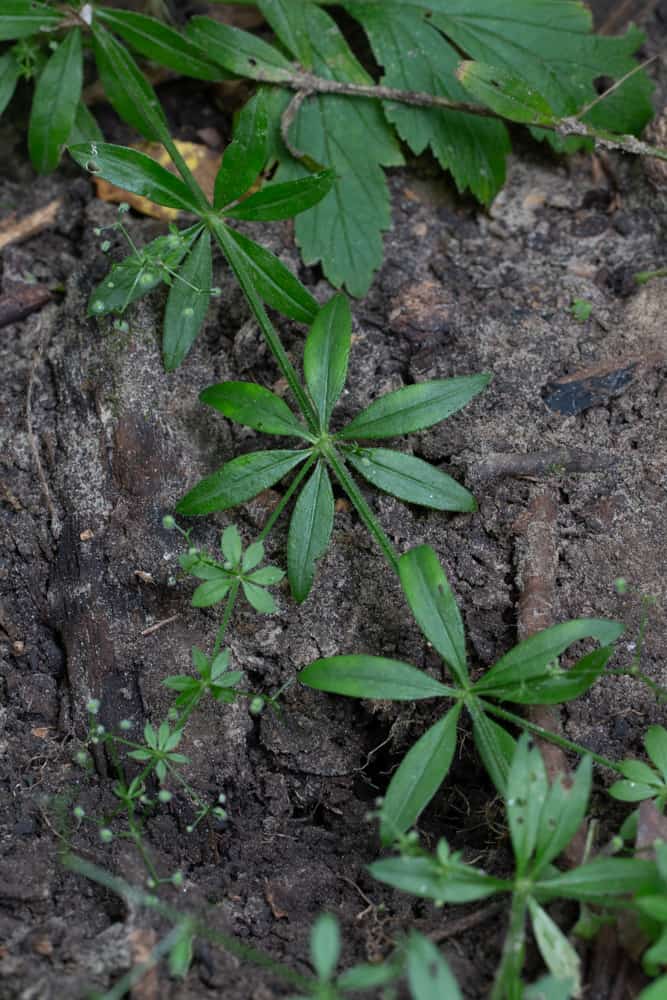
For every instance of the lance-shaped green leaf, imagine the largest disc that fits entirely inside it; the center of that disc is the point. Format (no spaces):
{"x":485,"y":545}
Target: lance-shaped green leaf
{"x":274,"y":283}
{"x":84,"y":127}
{"x":157,"y":41}
{"x":239,"y":480}
{"x":325,"y":355}
{"x":504,"y":93}
{"x":284,"y":201}
{"x":419,"y":776}
{"x":254,"y":406}
{"x":139,"y":273}
{"x":414,"y":407}
{"x":562,"y":813}
{"x":527,"y":788}
{"x":289,"y":24}
{"x":429,"y":879}
{"x":434,"y":607}
{"x":429,"y":976}
{"x":531,"y":657}
{"x":134,"y":171}
{"x":494,"y":745}
{"x":559,"y":956}
{"x":372,"y":677}
{"x":325,"y":946}
{"x":212,"y":592}
{"x":21,"y":18}
{"x":600,"y":879}
{"x":10,"y":71}
{"x":411,"y":479}
{"x":127,"y":89}
{"x":655,"y":742}
{"x":187,"y":303}
{"x":246,"y":155}
{"x":55,"y":101}
{"x":557,"y":685}
{"x":238,"y":51}
{"x":309,"y":531}
{"x":259,"y":598}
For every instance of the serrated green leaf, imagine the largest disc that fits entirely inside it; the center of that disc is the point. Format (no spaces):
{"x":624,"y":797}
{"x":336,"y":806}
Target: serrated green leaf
{"x":418,"y":778}
{"x":230,"y":544}
{"x":411,"y":479}
{"x":245,"y":156}
{"x":352,"y":138}
{"x":415,"y":56}
{"x":187,"y":303}
{"x":126,"y":88}
{"x":238,"y":51}
{"x":372,"y":677}
{"x":414,"y":407}
{"x":527,"y":788}
{"x":532,"y":657}
{"x":559,"y":956}
{"x":55,"y":101}
{"x":254,"y":406}
{"x":504,"y":93}
{"x":274,"y":283}
{"x":157,"y":41}
{"x":325,"y":355}
{"x":429,"y":976}
{"x":134,"y":171}
{"x":239,"y":480}
{"x":260,"y":598}
{"x":21,"y":18}
{"x":600,"y":879}
{"x":325,"y":946}
{"x":284,"y":201}
{"x":309,"y":531}
{"x":10,"y":71}
{"x":211,"y":592}
{"x":434,"y":607}
{"x":655,"y":742}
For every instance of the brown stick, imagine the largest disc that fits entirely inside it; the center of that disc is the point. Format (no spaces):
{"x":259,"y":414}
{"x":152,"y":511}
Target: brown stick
{"x":25,"y":299}
{"x":13,"y":230}
{"x":555,"y":461}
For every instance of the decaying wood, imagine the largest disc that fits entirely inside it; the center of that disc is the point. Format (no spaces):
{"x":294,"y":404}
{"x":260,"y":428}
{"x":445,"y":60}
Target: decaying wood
{"x":13,"y":230}
{"x":554,"y":461}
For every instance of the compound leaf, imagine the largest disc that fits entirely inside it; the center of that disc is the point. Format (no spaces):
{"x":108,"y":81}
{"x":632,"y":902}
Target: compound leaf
{"x":55,"y":101}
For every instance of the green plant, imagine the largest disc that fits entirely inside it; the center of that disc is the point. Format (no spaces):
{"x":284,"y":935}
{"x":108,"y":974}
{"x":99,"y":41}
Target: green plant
{"x":581,"y":310}
{"x":542,"y":820}
{"x":529,"y":674}
{"x":325,"y":368}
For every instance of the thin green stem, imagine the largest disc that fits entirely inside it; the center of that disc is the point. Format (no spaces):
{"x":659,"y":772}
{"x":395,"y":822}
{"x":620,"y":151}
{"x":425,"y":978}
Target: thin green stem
{"x":229,"y":608}
{"x":287,"y":496}
{"x":337,"y":463}
{"x":230,"y":250}
{"x":544,"y":734}
{"x":185,"y":172}
{"x":507,"y":982}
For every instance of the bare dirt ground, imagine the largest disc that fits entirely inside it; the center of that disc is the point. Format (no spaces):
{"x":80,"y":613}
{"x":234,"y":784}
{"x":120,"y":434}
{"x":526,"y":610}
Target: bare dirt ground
{"x":85,"y":570}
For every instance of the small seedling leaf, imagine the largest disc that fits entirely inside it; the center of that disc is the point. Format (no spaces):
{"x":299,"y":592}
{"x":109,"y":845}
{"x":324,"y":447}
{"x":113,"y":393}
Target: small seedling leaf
{"x":55,"y":101}
{"x":429,"y":976}
{"x":244,"y":158}
{"x":427,"y":878}
{"x":411,"y":479}
{"x":210,"y":593}
{"x":260,"y":598}
{"x":559,"y":956}
{"x":254,"y":406}
{"x":239,"y":480}
{"x":230,"y":544}
{"x":180,"y":956}
{"x":326,"y":354}
{"x":372,"y":677}
{"x":562,"y":813}
{"x":309,"y":531}
{"x":527,"y":788}
{"x":284,"y":201}
{"x":325,"y":946}
{"x":187,"y":303}
{"x":600,"y":879}
{"x":267,"y":576}
{"x":253,"y":556}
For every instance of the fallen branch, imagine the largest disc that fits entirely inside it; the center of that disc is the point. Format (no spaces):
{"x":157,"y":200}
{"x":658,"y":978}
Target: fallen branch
{"x":23,"y":301}
{"x":13,"y":230}
{"x":555,"y":461}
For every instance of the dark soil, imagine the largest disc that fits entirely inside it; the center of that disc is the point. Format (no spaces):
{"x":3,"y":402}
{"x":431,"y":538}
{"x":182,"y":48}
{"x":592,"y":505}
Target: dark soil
{"x":83,"y":574}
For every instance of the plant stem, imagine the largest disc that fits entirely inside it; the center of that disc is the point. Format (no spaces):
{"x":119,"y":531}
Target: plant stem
{"x":287,"y":496}
{"x":230,"y":251}
{"x":185,"y":172}
{"x":229,"y":608}
{"x":337,"y":463}
{"x":507,"y":982}
{"x":544,"y":734}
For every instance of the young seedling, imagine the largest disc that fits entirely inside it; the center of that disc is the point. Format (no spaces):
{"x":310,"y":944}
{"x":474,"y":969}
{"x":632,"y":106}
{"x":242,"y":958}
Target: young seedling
{"x":325,"y":369}
{"x":542,"y":820}
{"x":529,"y":674}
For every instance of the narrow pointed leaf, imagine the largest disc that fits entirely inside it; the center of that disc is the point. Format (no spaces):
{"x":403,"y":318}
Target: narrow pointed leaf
{"x":187,"y":303}
{"x":261,"y":599}
{"x":134,"y":171}
{"x":210,"y":593}
{"x":238,"y":51}
{"x":563,"y":812}
{"x":325,"y":946}
{"x":254,"y":406}
{"x":531,"y":657}
{"x":504,"y":93}
{"x":84,"y":127}
{"x":434,"y":606}
{"x":239,"y":480}
{"x":420,"y":775}
{"x":127,"y":89}
{"x":411,"y":479}
{"x":253,"y":556}
{"x":309,"y":531}
{"x":284,"y":201}
{"x":289,"y":24}
{"x":655,"y":742}
{"x":429,"y":976}
{"x":494,"y":745}
{"x":600,"y":879}
{"x":414,"y":407}
{"x":557,"y":685}
{"x":276,"y":285}
{"x":267,"y":576}
{"x":325,"y":355}
{"x":55,"y":101}
{"x":157,"y":41}
{"x":10,"y":71}
{"x":527,"y":788}
{"x":230,"y":544}
{"x":246,"y":155}
{"x":428,"y":879}
{"x":21,"y":18}
{"x":372,"y":677}
{"x":559,"y":956}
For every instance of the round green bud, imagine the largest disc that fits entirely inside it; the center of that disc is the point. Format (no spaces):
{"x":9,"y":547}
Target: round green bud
{"x":164,"y":795}
{"x":79,"y":813}
{"x":93,"y":706}
{"x":177,"y":879}
{"x":621,"y":585}
{"x":168,"y":522}
{"x":106,"y":836}
{"x":256,"y":705}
